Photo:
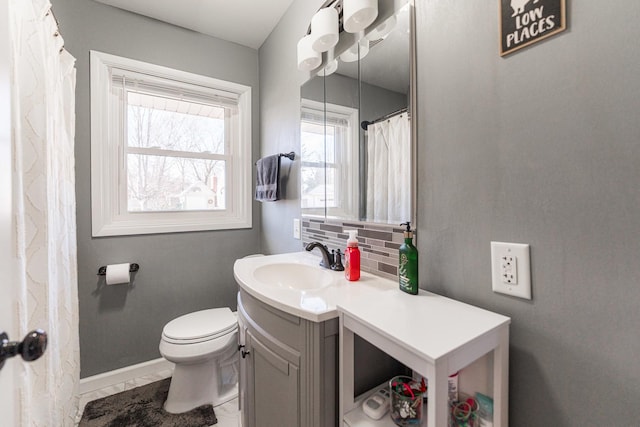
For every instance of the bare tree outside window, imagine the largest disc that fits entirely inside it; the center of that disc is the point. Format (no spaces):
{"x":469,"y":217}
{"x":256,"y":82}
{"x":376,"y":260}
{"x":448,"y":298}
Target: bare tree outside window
{"x":170,"y":150}
{"x":172,"y":147}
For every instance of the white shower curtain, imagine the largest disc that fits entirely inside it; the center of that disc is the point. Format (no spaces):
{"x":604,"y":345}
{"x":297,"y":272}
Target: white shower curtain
{"x":43,"y":103}
{"x":389,"y":170}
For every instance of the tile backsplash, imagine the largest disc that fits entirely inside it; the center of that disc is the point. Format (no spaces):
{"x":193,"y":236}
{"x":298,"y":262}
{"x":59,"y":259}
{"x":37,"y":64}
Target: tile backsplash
{"x":378,"y":243}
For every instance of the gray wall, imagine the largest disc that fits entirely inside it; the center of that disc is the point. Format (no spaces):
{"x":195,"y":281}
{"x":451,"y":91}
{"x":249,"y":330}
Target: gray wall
{"x":280,"y":83}
{"x":180,"y":272}
{"x":540,"y":147}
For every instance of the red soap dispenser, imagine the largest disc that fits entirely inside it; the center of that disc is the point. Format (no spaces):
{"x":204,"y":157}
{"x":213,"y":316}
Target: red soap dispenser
{"x":352,"y":258}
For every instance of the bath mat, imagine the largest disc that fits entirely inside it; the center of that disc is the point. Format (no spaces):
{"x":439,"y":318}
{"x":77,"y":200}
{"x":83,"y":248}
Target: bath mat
{"x":142,"y":407}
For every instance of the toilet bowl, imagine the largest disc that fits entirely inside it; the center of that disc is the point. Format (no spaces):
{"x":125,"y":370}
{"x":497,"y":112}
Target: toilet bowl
{"x":204,"y":347}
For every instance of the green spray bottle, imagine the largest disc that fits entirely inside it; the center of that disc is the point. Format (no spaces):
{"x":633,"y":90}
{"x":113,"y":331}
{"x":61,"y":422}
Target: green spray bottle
{"x":408,"y":263}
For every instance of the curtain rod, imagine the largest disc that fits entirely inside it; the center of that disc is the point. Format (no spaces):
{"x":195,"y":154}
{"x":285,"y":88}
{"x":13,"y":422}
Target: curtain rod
{"x":365,"y":124}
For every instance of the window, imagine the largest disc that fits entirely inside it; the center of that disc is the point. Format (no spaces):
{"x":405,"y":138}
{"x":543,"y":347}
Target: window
{"x":329,"y":167}
{"x":170,"y":150}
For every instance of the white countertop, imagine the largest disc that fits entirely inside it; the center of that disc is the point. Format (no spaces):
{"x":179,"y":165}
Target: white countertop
{"x":430,"y":325}
{"x":316,"y":305}
{"x":374,"y":300}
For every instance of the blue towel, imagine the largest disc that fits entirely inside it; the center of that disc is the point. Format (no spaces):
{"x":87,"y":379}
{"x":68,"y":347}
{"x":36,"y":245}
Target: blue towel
{"x":267,"y":175}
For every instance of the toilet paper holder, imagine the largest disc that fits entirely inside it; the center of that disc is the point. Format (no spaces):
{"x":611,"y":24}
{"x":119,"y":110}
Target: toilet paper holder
{"x":133,"y":267}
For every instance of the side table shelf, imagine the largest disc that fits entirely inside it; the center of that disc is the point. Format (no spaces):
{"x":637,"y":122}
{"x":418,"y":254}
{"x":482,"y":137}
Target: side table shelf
{"x":357,"y":418}
{"x":431,"y":334}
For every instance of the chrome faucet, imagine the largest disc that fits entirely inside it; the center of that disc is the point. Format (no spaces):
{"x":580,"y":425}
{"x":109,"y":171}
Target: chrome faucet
{"x":332,"y":261}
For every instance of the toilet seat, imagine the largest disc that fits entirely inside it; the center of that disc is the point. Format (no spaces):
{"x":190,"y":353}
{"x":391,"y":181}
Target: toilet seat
{"x":200,"y":326}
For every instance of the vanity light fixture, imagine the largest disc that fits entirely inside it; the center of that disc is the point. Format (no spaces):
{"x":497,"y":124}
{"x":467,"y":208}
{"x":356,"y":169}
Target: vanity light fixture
{"x":324,"y":29}
{"x":308,"y":59}
{"x":358,"y":14}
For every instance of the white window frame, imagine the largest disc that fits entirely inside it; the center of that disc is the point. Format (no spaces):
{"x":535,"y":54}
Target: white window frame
{"x":110,"y":216}
{"x":346,"y":165}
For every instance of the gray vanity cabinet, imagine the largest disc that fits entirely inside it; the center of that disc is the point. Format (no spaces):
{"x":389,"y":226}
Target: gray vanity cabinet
{"x":273,"y":382}
{"x":288,"y":374}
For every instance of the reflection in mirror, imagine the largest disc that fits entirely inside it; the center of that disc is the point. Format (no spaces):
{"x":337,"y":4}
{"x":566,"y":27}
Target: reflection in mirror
{"x":355,"y":130}
{"x":384,"y":101}
{"x":330,"y":148}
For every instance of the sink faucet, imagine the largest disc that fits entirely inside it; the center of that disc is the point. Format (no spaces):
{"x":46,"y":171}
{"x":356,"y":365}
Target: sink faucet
{"x":331,"y":260}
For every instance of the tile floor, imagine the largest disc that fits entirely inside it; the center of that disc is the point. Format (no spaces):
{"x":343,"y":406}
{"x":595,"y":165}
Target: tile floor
{"x":228,"y":414}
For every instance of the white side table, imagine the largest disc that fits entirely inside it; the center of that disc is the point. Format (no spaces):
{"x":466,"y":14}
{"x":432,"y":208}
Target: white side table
{"x":435,"y":336}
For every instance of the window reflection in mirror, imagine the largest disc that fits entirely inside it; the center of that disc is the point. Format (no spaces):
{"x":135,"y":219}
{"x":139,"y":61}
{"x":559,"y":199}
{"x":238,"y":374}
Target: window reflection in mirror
{"x":312,"y":176}
{"x":349,"y":172}
{"x":329,"y":148}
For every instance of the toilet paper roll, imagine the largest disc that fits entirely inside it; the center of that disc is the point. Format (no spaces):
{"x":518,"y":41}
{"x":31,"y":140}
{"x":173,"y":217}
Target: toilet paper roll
{"x":118,"y":274}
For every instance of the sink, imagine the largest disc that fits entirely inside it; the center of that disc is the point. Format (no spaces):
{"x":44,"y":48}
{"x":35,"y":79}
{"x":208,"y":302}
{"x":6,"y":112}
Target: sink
{"x":297,"y":285}
{"x":293,"y":276}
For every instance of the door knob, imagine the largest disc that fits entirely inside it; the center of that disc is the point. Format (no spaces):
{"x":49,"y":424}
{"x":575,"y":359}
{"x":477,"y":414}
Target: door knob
{"x":31,"y":348}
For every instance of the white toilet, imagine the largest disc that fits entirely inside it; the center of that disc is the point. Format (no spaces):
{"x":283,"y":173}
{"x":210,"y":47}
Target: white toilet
{"x":204,"y":347}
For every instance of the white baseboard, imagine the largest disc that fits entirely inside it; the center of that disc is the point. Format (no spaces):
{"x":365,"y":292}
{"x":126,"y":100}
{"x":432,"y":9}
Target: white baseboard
{"x":122,"y":375}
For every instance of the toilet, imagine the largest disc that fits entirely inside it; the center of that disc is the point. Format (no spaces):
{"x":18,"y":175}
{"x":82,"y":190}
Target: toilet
{"x":204,"y":347}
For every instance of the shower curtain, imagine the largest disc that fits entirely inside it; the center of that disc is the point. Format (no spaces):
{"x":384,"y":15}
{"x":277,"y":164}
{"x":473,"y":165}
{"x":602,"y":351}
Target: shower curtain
{"x":43,"y":104}
{"x":389,"y":170}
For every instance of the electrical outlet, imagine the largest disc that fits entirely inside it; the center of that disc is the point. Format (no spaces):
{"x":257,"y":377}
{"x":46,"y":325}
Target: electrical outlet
{"x":510,"y":269}
{"x":296,"y":228}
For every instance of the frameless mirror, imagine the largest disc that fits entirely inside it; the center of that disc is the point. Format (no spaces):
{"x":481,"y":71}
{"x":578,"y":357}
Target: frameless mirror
{"x":356,"y":134}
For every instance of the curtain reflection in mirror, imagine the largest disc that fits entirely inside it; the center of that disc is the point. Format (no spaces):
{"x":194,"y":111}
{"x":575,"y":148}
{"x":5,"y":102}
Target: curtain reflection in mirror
{"x":389,"y":169}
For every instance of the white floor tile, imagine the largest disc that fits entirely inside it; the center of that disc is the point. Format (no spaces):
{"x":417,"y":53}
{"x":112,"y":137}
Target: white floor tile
{"x":228,"y":414}
{"x":147,"y":379}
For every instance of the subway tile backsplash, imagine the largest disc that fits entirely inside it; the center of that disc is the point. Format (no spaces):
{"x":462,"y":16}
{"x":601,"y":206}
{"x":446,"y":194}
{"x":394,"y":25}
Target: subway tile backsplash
{"x":378,"y":243}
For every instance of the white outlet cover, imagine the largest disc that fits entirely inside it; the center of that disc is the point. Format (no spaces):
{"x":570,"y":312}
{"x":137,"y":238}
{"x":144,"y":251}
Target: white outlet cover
{"x":296,"y":228}
{"x":521,"y":286}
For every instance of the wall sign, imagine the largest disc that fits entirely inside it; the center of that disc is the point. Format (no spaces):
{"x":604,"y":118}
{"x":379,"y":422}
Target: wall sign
{"x":524,"y":22}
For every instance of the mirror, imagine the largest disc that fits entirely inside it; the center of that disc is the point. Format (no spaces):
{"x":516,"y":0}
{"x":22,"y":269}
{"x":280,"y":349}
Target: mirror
{"x":356,"y":135}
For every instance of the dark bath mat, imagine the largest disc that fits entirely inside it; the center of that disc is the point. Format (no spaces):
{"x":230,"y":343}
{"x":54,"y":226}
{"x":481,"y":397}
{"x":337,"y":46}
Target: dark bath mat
{"x":142,"y":407}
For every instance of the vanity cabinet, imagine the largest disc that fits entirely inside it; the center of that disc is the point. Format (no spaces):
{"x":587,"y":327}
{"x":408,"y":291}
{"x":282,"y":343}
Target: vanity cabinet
{"x":273,"y":384}
{"x":288,"y":368}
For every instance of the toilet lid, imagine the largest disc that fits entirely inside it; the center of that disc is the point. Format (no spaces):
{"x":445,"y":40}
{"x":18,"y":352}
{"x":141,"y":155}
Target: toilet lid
{"x":201,"y":324}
